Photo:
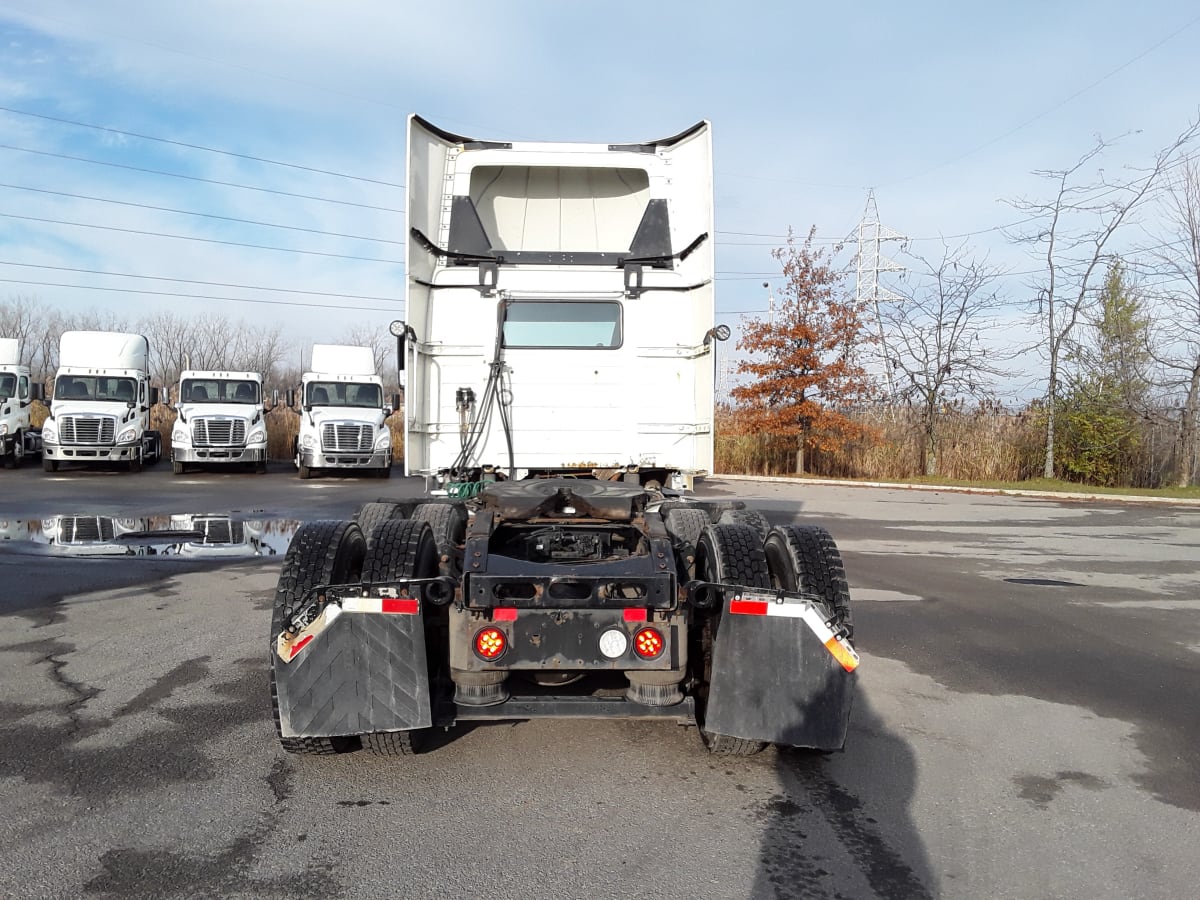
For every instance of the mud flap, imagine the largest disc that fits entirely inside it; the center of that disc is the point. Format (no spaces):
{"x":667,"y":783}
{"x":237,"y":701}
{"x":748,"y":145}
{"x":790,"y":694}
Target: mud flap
{"x":774,"y":680}
{"x":364,"y":672}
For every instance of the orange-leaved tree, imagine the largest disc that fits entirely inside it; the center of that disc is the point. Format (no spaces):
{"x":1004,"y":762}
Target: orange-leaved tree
{"x":805,"y":361}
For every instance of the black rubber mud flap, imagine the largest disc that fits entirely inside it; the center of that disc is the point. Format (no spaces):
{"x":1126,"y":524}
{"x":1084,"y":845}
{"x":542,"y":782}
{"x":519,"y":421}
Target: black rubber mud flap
{"x":365,"y":672}
{"x":772,"y":678}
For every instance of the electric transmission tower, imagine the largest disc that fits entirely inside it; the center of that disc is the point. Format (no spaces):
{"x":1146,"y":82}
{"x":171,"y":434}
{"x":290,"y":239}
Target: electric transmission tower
{"x":871,"y":263}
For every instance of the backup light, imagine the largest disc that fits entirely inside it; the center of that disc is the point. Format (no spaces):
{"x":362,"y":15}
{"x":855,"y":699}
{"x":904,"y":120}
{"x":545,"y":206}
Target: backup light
{"x":490,"y":643}
{"x":648,"y":643}
{"x":614,"y":643}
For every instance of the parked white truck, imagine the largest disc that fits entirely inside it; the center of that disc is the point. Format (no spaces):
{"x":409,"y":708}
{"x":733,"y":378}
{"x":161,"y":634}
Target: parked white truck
{"x":18,"y":438}
{"x":100,"y":411}
{"x":560,"y":308}
{"x":560,"y":324}
{"x":342,"y":413}
{"x":220,"y":419}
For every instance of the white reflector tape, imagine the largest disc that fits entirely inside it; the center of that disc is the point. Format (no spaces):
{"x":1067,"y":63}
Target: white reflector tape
{"x":404,"y":606}
{"x":764,"y":604}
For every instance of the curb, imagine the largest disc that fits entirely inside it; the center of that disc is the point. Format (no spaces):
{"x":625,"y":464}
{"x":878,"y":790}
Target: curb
{"x":960,"y":489}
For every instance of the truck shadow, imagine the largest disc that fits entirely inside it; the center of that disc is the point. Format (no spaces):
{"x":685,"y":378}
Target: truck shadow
{"x":842,"y":822}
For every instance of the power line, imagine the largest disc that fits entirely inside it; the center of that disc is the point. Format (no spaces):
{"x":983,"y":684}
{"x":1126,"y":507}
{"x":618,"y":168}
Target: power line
{"x":92,"y":287}
{"x":247,"y":287}
{"x":188,"y":212}
{"x":245,"y":187}
{"x":188,"y":237}
{"x":160,"y":140}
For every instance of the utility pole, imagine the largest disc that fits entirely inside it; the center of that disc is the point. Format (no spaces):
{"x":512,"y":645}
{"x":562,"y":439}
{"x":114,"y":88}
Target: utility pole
{"x":870,"y":264}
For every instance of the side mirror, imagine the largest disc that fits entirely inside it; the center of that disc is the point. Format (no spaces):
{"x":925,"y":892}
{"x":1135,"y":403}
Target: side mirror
{"x":274,"y":400}
{"x":165,"y":396}
{"x":37,"y":392}
{"x":291,"y":398}
{"x":153,"y":396}
{"x":395,"y":402}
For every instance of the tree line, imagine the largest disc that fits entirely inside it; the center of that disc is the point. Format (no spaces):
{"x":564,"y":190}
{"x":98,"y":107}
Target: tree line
{"x":1117,"y":335}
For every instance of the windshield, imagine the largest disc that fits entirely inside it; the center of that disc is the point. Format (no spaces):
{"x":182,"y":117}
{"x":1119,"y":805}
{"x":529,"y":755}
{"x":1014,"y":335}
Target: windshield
{"x":8,"y":386}
{"x":343,"y":393}
{"x":219,"y":390}
{"x":95,"y":387}
{"x":576,"y":324}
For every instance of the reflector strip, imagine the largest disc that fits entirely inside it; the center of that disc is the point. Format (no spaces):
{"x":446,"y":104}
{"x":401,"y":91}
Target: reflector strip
{"x":299,"y":645}
{"x":504,"y":614}
{"x":634,"y":614}
{"x":405,"y":606}
{"x":792,"y":608}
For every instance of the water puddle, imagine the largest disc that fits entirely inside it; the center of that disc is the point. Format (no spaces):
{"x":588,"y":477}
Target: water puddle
{"x":186,"y":536}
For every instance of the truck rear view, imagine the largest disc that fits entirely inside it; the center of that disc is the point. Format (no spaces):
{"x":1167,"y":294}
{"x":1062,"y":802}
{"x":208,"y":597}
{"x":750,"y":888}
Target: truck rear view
{"x":559,"y":304}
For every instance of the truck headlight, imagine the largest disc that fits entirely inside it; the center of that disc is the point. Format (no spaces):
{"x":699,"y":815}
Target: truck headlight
{"x":3,"y":429}
{"x":384,"y":440}
{"x":180,"y":436}
{"x":257,"y":436}
{"x":308,"y":442}
{"x":49,"y":431}
{"x":128,"y":436}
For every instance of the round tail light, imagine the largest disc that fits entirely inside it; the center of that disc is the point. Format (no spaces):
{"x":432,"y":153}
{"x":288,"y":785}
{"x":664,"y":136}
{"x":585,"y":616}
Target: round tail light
{"x":648,"y":643}
{"x":490,"y":643}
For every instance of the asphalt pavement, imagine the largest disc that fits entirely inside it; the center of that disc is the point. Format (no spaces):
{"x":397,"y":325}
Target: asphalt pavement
{"x":1025,"y":724}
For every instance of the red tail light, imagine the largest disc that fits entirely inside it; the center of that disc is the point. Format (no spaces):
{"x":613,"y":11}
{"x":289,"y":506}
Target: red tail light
{"x":648,"y":643}
{"x":490,"y":643}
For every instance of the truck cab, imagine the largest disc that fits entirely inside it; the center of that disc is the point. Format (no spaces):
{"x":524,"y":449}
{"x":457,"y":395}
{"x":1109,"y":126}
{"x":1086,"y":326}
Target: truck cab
{"x":219,"y":420}
{"x":342,"y":413}
{"x":100,"y":411}
{"x":17,"y":391}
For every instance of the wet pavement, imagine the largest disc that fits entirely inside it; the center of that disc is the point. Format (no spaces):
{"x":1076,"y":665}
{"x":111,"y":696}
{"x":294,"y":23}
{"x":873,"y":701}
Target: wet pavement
{"x":1025,"y":725}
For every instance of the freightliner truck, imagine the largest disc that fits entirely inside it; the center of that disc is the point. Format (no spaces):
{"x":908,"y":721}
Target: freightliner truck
{"x":219,"y":420}
{"x":18,"y":438}
{"x":343,"y":420}
{"x":558,"y":352}
{"x":100,"y":411}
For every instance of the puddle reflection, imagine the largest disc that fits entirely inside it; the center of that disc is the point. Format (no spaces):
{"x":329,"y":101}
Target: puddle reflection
{"x":189,"y":536}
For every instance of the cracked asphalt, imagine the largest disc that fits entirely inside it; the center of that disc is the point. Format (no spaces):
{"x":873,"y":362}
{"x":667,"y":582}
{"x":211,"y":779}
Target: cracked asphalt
{"x":1026,"y":726}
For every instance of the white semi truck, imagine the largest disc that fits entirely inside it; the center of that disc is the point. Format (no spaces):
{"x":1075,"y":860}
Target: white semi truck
{"x":559,"y":356}
{"x":560,"y":308}
{"x":220,"y":419}
{"x":18,"y":438}
{"x":100,"y":411}
{"x":343,"y":419}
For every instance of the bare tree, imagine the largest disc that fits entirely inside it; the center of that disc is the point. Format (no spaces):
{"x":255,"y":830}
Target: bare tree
{"x":934,"y":338}
{"x":1071,"y":233}
{"x":1175,"y":264}
{"x":23,"y":318}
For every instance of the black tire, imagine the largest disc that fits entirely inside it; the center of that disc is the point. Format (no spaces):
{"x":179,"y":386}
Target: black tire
{"x":731,"y":553}
{"x":751,"y":517}
{"x":15,"y":459}
{"x":49,"y":465}
{"x":805,"y":558}
{"x":686,"y":525}
{"x":305,"y":472}
{"x":448,"y":521}
{"x":386,"y":471}
{"x":371,"y":514}
{"x":322,"y":552}
{"x":260,"y":467}
{"x":155,"y":448}
{"x":176,"y":467}
{"x":399,"y":548}
{"x":135,"y":461}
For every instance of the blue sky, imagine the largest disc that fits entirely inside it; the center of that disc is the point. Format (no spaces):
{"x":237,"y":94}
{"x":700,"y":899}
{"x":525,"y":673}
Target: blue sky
{"x":944,"y":109}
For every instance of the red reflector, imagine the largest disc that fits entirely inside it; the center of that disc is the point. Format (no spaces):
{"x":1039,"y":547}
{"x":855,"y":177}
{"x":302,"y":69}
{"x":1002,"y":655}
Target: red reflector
{"x":648,"y":643}
{"x":635,"y":615}
{"x":748,"y":607}
{"x":301,"y":644}
{"x":490,"y":643}
{"x":407,"y":606}
{"x":504,"y":614}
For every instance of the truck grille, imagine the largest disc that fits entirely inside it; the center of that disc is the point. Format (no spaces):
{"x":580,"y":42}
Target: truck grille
{"x":87,"y":429}
{"x":222,"y":531}
{"x":345,"y":437}
{"x":219,"y":432}
{"x":75,"y":529}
